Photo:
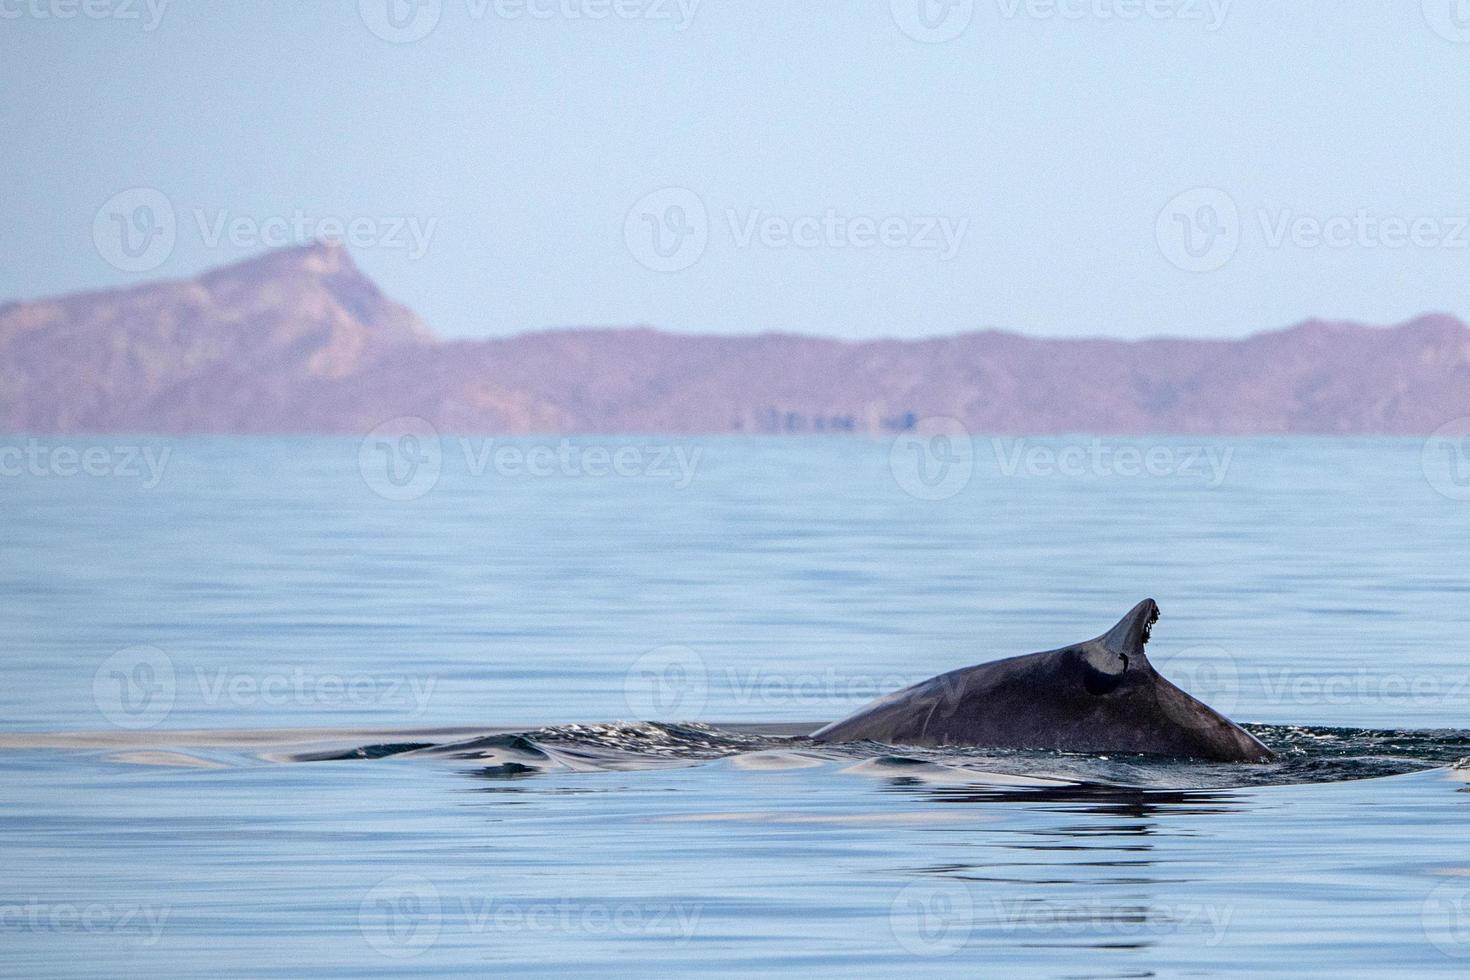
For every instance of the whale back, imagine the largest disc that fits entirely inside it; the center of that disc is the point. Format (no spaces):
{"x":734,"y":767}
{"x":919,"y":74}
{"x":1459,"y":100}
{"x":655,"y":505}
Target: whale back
{"x":1101,"y":695}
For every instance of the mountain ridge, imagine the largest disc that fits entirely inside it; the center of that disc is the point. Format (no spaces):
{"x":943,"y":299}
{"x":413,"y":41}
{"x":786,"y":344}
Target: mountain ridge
{"x":299,"y":340}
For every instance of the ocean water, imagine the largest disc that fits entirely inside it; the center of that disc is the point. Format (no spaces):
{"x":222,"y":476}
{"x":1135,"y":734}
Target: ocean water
{"x":422,"y":704}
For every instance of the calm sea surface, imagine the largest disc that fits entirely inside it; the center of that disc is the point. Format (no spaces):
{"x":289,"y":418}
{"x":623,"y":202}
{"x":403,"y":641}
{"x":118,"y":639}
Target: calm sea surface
{"x":529,"y":706}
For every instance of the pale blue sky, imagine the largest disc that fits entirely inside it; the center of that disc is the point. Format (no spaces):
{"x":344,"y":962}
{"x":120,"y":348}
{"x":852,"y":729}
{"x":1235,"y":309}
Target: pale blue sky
{"x":1047,"y":141}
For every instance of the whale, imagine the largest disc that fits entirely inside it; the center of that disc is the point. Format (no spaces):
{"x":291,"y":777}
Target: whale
{"x":1098,"y":696}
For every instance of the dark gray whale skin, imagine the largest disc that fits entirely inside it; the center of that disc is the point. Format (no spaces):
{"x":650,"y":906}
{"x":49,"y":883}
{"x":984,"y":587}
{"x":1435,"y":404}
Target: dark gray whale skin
{"x":1098,"y":696}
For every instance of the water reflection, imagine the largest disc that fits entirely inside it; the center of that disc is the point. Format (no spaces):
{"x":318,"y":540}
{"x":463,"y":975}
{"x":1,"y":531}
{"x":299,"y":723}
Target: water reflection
{"x":1095,"y":798}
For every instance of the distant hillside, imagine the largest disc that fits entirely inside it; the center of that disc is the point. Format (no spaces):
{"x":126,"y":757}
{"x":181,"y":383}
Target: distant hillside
{"x":300,"y":341}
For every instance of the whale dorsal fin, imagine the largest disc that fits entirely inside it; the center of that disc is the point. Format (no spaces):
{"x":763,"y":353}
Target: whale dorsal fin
{"x":1131,"y":633}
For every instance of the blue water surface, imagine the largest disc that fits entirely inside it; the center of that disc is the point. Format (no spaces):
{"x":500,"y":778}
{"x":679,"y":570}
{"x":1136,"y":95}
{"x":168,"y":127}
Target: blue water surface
{"x":318,"y":592}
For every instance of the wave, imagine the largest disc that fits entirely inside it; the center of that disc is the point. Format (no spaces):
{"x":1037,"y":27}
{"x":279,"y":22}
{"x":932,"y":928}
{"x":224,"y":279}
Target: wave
{"x":1305,"y":755}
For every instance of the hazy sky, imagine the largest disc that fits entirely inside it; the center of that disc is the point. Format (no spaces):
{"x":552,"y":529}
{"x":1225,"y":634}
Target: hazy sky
{"x":849,"y":168}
